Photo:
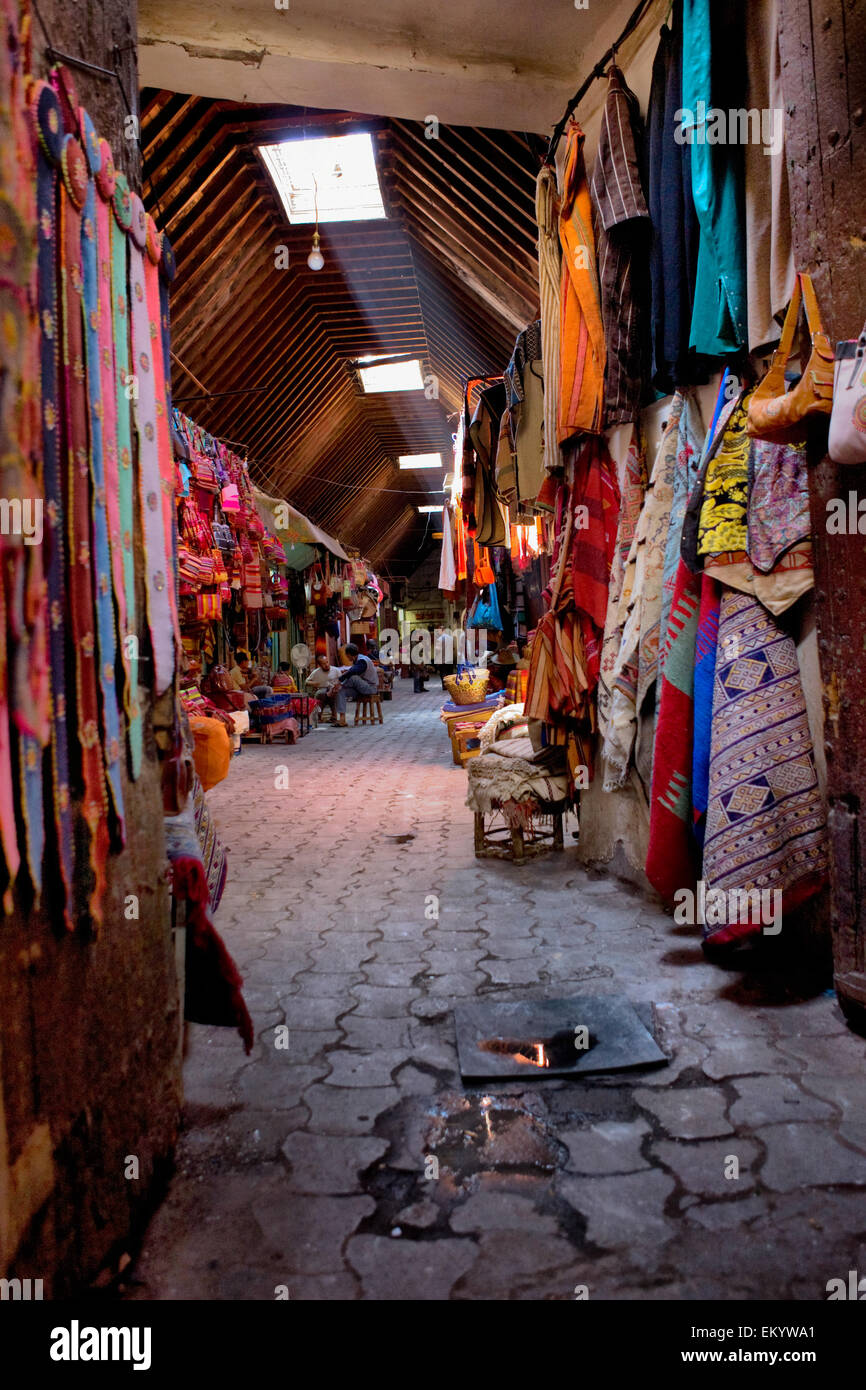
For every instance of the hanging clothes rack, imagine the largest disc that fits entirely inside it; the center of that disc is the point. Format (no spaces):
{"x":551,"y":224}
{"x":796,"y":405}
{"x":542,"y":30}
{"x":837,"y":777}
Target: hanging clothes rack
{"x":598,"y":71}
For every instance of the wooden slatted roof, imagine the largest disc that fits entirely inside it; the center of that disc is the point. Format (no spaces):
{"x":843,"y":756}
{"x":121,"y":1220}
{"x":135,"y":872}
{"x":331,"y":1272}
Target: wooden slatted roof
{"x":449,"y":276}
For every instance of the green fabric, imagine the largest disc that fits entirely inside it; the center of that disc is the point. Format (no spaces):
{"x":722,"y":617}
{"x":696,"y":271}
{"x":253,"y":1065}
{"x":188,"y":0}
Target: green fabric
{"x":719,"y":311}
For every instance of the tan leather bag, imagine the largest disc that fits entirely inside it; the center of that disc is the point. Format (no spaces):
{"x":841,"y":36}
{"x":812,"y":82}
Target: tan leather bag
{"x":775,"y":411}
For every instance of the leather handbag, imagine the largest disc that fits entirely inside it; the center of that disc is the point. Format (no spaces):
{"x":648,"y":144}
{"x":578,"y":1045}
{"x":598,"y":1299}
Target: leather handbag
{"x":848,"y":420}
{"x":772,"y":409}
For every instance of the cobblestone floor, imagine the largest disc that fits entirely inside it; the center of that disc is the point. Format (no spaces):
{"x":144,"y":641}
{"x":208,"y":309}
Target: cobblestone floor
{"x":305,"y":1167}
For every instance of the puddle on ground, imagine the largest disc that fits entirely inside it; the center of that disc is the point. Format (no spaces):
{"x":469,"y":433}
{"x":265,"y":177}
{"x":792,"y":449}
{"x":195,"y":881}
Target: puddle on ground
{"x":476,"y":1133}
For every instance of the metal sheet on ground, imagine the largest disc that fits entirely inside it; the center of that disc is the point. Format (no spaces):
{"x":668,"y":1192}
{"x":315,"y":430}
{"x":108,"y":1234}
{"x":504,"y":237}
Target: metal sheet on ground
{"x":502,"y":1039}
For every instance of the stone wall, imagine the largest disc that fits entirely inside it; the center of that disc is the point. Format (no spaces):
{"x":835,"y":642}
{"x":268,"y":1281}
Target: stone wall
{"x":90,"y":1029}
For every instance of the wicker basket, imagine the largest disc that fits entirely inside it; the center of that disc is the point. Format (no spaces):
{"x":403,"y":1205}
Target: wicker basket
{"x":466,"y":689}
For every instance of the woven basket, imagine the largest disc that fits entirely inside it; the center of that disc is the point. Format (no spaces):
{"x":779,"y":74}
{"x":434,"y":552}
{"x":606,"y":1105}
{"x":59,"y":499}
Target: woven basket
{"x":466,"y":689}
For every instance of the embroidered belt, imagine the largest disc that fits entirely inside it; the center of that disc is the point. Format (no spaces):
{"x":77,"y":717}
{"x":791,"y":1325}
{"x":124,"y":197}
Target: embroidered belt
{"x":80,"y":590}
{"x":159,"y":580}
{"x":120,"y":224}
{"x":105,"y":630}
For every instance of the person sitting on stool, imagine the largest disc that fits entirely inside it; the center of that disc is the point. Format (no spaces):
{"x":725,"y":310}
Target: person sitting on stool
{"x":361,"y":677}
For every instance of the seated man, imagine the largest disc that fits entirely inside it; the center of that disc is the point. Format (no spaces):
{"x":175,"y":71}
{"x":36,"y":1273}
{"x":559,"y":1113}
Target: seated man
{"x":242,"y":678}
{"x":322,"y":682}
{"x":361,"y":678}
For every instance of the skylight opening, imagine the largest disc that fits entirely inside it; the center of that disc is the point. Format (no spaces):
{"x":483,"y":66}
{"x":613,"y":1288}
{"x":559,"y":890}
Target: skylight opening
{"x":417,"y":461}
{"x":392,"y":376}
{"x":338,"y":171}
{"x":436,"y":507}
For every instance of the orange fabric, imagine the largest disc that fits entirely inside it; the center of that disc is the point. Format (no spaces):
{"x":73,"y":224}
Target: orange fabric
{"x":483,"y":568}
{"x":581,"y":371}
{"x":460,"y":544}
{"x":212,"y":752}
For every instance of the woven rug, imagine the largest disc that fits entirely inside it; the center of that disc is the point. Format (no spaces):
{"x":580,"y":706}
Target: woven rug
{"x":670,"y":860}
{"x":766,"y":826}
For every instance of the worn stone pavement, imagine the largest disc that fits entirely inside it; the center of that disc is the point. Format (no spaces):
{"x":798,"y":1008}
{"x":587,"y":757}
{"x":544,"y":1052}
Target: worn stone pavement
{"x":304,"y":1167}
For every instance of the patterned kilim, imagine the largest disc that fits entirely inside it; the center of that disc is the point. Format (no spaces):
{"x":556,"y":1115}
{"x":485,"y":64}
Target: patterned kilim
{"x":213,"y":851}
{"x":766,"y":826}
{"x":670,"y":860}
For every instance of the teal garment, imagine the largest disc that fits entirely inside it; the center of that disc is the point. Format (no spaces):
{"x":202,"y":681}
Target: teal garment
{"x":719,"y":321}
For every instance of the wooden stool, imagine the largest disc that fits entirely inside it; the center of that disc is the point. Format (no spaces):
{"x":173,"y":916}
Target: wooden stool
{"x":366,"y":708}
{"x":496,"y":839}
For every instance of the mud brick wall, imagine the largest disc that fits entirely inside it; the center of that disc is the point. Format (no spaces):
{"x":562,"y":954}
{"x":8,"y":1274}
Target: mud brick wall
{"x":90,"y":1029}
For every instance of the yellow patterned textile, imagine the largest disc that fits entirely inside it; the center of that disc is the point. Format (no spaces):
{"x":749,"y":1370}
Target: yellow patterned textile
{"x":722,"y":525}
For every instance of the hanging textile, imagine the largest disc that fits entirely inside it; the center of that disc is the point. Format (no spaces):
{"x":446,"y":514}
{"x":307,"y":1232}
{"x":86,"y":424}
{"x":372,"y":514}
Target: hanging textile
{"x":766,"y":825}
{"x":690,"y":435}
{"x":447,"y":567}
{"x":98,"y":340}
{"x":671,"y":860}
{"x":48,"y":124}
{"x":633,"y":492}
{"x":566,"y":650}
{"x":769,"y":251}
{"x":549,"y":279}
{"x":622,"y":231}
{"x":751,"y":499}
{"x":714,"y":85}
{"x":582,"y":355}
{"x":668,"y":180}
{"x":24,"y":676}
{"x":156,"y":473}
{"x":640,"y":607}
{"x":705,"y":677}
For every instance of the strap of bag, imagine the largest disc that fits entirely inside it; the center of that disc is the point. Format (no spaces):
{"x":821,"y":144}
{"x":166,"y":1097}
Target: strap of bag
{"x":810,"y":302}
{"x":789,"y":327}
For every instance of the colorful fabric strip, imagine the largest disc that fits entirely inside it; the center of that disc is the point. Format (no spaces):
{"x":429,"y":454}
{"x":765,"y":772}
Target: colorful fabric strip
{"x":105,"y":629}
{"x":49,"y":129}
{"x":159,"y":581}
{"x":120,"y":223}
{"x":80,"y":587}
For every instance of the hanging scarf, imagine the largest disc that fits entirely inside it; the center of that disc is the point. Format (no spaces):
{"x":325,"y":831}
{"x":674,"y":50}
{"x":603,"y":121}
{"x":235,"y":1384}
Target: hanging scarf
{"x":581,"y":379}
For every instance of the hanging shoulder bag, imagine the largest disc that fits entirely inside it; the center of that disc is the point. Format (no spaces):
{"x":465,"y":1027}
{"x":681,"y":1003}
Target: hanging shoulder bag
{"x":848,"y":419}
{"x":772,"y":409}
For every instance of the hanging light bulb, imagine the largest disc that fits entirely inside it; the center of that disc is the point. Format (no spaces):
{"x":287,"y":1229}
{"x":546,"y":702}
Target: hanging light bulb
{"x":316,"y":260}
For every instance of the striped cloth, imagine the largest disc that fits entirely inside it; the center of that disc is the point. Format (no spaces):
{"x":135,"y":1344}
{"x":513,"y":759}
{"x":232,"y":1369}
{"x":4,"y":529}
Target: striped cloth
{"x":622,"y":229}
{"x":548,"y":289}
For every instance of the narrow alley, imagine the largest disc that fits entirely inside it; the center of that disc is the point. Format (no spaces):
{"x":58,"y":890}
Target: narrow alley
{"x":305,"y":1166}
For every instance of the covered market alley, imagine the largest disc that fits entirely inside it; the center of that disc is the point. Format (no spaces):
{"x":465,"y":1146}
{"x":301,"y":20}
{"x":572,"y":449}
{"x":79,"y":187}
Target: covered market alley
{"x":432,"y":644}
